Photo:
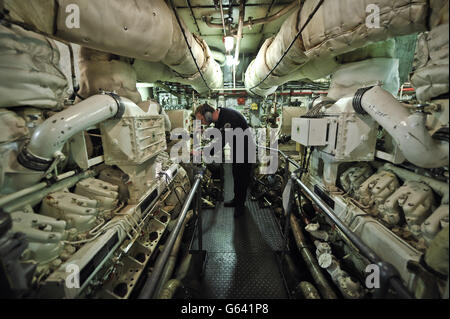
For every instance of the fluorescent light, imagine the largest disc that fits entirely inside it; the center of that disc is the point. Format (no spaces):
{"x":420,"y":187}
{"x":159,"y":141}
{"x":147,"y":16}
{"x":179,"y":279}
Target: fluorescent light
{"x":229,"y":43}
{"x":144,"y":85}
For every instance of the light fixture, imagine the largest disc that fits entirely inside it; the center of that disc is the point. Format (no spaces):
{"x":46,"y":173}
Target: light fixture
{"x":229,"y":43}
{"x":144,"y":85}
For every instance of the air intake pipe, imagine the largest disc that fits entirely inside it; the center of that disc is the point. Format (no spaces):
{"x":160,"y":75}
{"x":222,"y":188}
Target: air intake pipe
{"x":408,"y":130}
{"x":49,"y":138}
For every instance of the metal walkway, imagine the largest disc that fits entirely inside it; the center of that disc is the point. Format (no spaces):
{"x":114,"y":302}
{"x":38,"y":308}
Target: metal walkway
{"x":241,"y":252}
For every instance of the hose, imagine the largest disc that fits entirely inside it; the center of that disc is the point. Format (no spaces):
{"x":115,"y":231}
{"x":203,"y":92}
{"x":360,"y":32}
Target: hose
{"x":311,"y":262}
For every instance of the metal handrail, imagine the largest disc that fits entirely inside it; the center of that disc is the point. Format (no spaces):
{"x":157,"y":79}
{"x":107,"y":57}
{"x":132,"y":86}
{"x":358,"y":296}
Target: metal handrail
{"x":150,"y":285}
{"x":388,"y":272}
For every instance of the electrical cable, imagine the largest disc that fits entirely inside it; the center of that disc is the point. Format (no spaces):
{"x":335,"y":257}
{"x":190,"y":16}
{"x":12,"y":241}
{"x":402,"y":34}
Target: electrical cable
{"x":290,"y":46}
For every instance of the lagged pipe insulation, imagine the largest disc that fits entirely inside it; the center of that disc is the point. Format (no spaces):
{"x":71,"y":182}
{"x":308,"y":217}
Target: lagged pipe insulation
{"x":141,"y":29}
{"x":408,"y":130}
{"x":338,"y":27}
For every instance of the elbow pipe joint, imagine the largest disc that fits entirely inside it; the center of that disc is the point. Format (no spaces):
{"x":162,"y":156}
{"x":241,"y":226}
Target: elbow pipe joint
{"x":51,"y":135}
{"x":408,"y":130}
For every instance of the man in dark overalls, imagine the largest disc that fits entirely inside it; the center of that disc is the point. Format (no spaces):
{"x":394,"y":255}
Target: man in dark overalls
{"x":243,"y":154}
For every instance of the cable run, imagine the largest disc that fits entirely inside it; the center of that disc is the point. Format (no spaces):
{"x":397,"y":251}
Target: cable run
{"x":290,"y":46}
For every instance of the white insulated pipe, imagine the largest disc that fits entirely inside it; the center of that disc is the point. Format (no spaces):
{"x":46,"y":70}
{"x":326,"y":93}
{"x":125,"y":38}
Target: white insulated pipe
{"x":50,"y":136}
{"x":140,"y":29}
{"x":408,"y":130}
{"x":338,"y":27}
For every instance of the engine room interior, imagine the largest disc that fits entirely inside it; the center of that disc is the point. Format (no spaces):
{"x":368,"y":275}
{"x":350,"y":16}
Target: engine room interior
{"x":119,"y":126}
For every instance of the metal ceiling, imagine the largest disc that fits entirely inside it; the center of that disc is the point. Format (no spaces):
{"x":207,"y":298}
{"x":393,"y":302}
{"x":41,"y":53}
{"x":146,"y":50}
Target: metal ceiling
{"x":192,"y":11}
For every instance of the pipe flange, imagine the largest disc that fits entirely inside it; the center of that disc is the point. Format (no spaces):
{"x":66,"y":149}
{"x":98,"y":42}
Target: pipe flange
{"x":120,"y":105}
{"x":30,"y":161}
{"x":357,"y":100}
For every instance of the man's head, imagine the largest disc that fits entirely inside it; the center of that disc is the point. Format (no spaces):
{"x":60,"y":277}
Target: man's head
{"x":205,"y":113}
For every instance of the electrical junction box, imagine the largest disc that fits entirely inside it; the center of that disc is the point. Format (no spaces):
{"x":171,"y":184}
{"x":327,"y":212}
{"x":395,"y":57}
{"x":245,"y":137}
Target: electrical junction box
{"x":310,"y":131}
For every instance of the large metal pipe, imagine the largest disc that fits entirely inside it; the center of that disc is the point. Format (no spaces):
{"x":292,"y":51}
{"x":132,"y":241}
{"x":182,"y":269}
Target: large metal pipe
{"x":50,"y":137}
{"x":223,"y":19}
{"x":338,"y":27}
{"x":238,"y":40}
{"x":170,"y":288}
{"x":408,"y":130}
{"x":9,"y":198}
{"x":311,"y":262}
{"x":140,"y":29}
{"x":37,"y":196}
{"x":150,"y":285}
{"x":170,"y":265}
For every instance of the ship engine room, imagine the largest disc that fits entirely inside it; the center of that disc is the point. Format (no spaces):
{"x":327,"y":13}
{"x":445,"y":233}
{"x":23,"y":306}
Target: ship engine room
{"x":224,"y":149}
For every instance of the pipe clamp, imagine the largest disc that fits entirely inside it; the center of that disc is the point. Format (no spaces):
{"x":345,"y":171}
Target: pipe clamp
{"x":357,"y":100}
{"x":120,"y":105}
{"x":30,"y":161}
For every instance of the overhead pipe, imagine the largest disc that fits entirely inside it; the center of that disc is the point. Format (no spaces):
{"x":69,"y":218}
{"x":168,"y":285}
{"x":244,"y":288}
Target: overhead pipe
{"x":307,"y":43}
{"x":238,"y":40}
{"x":49,"y":137}
{"x":223,"y":19}
{"x":408,"y":130}
{"x":250,"y":23}
{"x":141,"y":29}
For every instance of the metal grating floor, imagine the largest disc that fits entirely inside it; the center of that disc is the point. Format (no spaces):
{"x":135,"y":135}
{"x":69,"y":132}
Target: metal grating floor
{"x":241,"y":261}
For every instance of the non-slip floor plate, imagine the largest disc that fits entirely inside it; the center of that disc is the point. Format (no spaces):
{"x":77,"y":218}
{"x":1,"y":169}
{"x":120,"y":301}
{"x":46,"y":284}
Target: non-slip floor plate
{"x":243,"y":276}
{"x":241,"y":261}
